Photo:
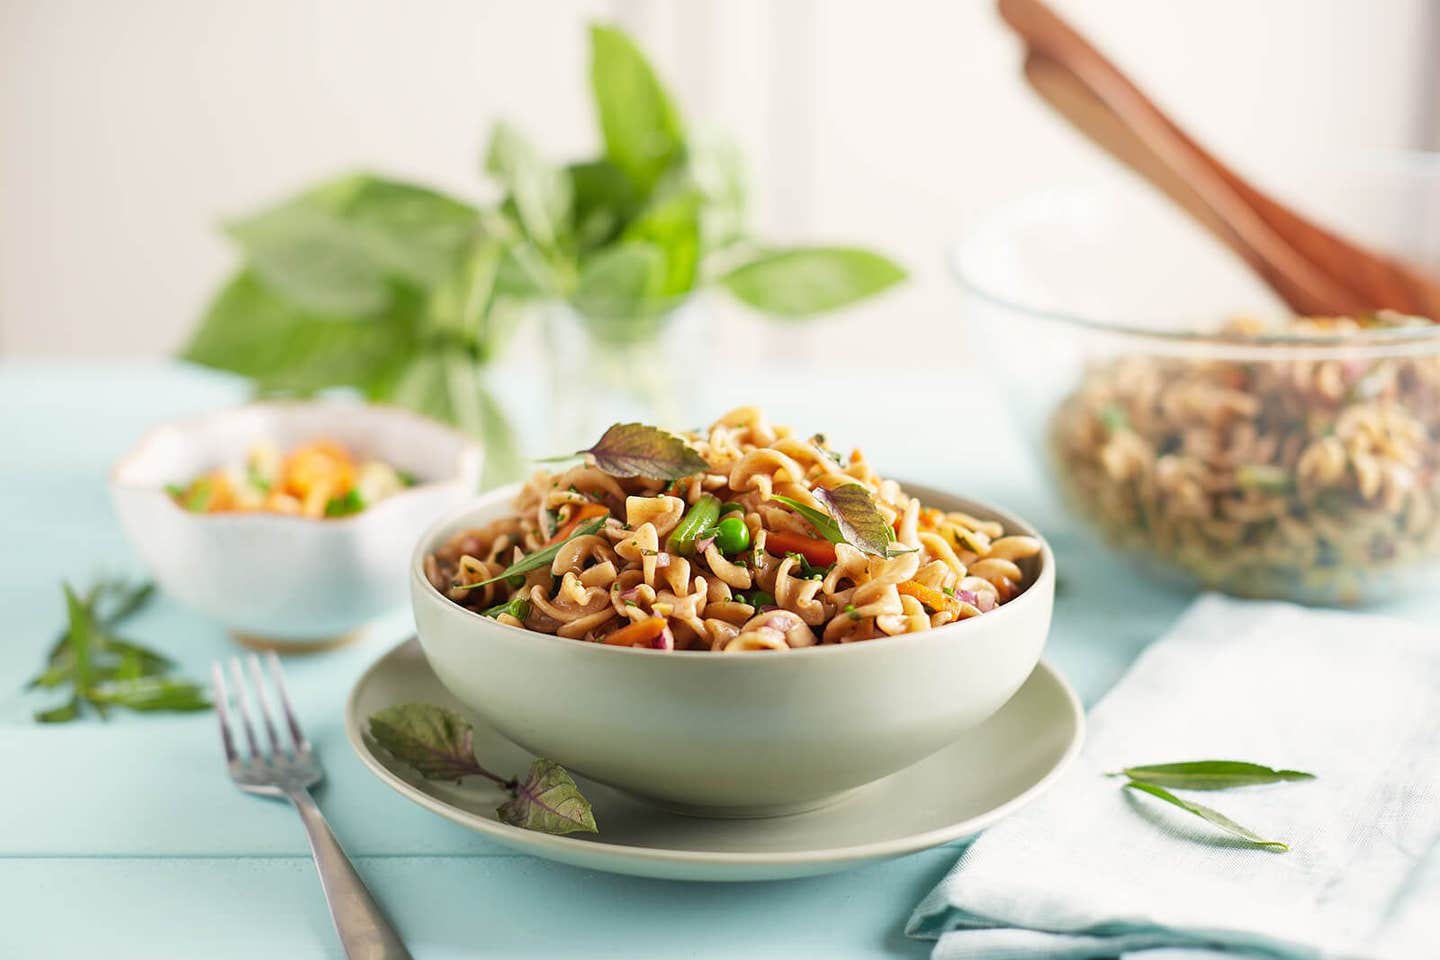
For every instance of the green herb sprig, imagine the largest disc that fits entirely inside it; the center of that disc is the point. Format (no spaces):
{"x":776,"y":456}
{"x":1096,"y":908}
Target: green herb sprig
{"x":104,"y":671}
{"x":439,"y":745}
{"x":540,"y":558}
{"x":408,"y":295}
{"x":1156,"y":779}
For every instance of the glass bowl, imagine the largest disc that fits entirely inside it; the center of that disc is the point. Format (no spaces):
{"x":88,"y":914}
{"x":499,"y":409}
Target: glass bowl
{"x":1262,"y":456}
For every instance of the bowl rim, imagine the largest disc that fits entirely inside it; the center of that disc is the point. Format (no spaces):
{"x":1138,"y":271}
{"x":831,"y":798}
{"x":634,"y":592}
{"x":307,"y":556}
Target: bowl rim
{"x":1043,"y":584}
{"x":468,"y":459}
{"x":962,"y":255}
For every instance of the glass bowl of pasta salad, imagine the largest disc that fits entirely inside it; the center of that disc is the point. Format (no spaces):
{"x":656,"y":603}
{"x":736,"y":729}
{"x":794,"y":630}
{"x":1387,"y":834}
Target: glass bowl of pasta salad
{"x":1190,"y":420}
{"x":738,"y":621}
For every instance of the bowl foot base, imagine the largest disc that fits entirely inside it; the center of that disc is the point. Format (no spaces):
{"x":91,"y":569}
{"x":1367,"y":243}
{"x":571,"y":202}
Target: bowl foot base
{"x":287,"y":645}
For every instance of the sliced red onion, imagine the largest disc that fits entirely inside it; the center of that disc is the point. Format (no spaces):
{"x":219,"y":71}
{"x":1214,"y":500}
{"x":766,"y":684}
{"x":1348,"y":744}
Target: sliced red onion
{"x":666,"y":640}
{"x":630,"y":594}
{"x":702,"y":545}
{"x":768,"y":608}
{"x":986,"y":602}
{"x":965,"y":596}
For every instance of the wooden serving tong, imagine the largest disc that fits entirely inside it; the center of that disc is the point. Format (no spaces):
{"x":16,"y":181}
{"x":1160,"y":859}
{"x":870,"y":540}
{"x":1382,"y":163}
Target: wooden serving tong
{"x":1315,"y":271}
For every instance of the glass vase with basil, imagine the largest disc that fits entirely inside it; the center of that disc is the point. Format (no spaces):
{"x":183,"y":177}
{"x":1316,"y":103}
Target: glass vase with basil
{"x":410,"y":296}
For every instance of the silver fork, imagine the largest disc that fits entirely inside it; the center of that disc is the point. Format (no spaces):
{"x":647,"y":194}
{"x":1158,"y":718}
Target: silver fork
{"x":290,"y":772}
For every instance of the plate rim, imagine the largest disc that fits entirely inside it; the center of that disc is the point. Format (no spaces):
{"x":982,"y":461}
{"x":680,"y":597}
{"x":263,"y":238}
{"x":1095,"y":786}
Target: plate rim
{"x":568,"y":848}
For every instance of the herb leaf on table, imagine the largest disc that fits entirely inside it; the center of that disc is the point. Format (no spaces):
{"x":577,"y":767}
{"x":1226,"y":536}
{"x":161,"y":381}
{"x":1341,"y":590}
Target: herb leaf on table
{"x":105,"y":671}
{"x":439,"y":745}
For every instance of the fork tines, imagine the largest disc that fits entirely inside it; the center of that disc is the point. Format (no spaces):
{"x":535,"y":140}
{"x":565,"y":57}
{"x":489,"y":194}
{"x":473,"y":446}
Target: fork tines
{"x":299,"y":746}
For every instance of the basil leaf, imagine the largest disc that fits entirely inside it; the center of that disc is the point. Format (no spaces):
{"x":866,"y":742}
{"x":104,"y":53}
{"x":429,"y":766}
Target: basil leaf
{"x":252,"y":331}
{"x":818,"y":519}
{"x":603,"y":201}
{"x":638,"y":122}
{"x":1208,"y":814}
{"x":541,"y":193}
{"x":438,"y":743}
{"x":672,"y":226}
{"x":640,"y":450}
{"x":548,"y":800}
{"x":1212,"y":774}
{"x":411,"y":232}
{"x":312,"y":259}
{"x":540,"y":558}
{"x":335,"y":249}
{"x":860,"y":522}
{"x":805,"y":281}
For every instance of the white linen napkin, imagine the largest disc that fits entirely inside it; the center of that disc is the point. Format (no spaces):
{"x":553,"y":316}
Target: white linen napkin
{"x":1095,"y":870}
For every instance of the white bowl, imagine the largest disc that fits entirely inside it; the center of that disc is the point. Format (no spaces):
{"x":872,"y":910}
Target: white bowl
{"x":741,"y":734}
{"x":282,"y":579}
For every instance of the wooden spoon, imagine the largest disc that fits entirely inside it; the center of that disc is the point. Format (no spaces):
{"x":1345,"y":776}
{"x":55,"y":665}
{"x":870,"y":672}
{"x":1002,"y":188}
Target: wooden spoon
{"x":1315,"y":271}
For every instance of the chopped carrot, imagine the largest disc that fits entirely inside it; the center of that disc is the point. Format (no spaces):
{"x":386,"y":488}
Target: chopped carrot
{"x":639,"y":632}
{"x":578,"y":516}
{"x":317,"y":471}
{"x":929,"y":596}
{"x":820,"y":553}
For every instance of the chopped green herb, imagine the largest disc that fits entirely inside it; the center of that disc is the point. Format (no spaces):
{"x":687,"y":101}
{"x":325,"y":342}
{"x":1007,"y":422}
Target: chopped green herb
{"x":948,"y":591}
{"x":407,"y":478}
{"x":1114,"y":418}
{"x":540,"y":558}
{"x":196,"y":497}
{"x":850,"y":609}
{"x":518,"y":607}
{"x":346,"y":505}
{"x":256,"y":479}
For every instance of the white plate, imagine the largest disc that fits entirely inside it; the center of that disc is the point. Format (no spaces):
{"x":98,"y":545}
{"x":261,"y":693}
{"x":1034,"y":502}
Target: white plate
{"x":987,"y":774}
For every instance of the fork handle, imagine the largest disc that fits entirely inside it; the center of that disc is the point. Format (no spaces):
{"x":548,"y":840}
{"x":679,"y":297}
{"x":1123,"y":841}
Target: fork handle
{"x":364,"y":932}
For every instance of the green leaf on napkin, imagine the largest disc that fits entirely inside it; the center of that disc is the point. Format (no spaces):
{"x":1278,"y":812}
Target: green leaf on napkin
{"x":1211,"y":774}
{"x":549,"y":801}
{"x":439,"y":745}
{"x":1208,"y":814}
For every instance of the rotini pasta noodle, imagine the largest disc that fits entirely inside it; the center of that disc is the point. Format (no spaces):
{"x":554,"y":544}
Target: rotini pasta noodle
{"x":740,"y":591}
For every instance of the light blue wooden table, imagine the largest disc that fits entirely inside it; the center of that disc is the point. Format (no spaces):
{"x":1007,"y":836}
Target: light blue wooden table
{"x":125,"y":839}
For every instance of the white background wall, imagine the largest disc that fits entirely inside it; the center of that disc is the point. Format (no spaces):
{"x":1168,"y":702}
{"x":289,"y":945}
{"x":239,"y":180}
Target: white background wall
{"x":129,"y":130}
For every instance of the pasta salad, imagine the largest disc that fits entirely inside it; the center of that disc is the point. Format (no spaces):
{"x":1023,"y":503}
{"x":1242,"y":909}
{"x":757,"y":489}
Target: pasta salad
{"x":743,"y":536}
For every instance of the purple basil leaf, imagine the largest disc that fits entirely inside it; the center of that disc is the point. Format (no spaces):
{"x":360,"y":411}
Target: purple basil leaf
{"x":549,"y":801}
{"x":437,"y":742}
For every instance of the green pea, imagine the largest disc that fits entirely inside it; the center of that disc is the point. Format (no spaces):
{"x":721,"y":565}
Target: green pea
{"x":732,"y":536}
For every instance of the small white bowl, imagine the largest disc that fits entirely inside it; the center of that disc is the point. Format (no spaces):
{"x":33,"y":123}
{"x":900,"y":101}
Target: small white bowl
{"x":739,"y":734}
{"x":283,"y":581}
